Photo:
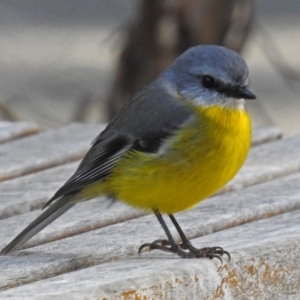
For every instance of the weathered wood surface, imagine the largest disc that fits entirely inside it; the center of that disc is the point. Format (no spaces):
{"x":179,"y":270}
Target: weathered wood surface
{"x":264,"y":265}
{"x":45,"y":150}
{"x":122,"y":240}
{"x":92,"y":235}
{"x":12,"y":130}
{"x":263,"y":134}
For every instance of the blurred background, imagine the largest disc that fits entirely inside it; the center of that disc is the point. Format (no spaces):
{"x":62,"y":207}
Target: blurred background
{"x":79,"y":61}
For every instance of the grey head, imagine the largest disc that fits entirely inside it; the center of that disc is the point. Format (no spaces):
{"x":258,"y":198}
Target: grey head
{"x":208,"y":75}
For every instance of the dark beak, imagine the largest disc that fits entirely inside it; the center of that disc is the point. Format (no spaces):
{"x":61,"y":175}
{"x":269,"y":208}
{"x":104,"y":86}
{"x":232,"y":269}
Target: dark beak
{"x":239,"y":93}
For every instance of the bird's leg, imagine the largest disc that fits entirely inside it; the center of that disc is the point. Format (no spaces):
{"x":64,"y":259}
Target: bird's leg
{"x":210,"y":252}
{"x":171,"y":246}
{"x":165,"y":245}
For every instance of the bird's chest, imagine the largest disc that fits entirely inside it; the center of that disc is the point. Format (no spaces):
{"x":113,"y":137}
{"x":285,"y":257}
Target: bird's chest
{"x":214,"y":146}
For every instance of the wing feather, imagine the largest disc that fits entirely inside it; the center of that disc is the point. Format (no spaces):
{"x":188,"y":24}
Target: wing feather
{"x":96,"y":165}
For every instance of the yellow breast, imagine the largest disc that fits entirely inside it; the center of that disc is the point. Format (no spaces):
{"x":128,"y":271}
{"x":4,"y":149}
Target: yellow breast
{"x":196,"y":163}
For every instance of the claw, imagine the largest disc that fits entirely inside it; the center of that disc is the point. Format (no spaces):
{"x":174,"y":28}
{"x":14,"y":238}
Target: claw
{"x":142,"y":247}
{"x":220,"y":251}
{"x":192,"y":252}
{"x":160,"y":244}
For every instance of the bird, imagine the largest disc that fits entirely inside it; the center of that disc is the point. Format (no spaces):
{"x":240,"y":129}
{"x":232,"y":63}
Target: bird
{"x":178,"y":141}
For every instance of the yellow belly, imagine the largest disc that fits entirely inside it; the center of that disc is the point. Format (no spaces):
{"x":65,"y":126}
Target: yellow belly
{"x":202,"y":159}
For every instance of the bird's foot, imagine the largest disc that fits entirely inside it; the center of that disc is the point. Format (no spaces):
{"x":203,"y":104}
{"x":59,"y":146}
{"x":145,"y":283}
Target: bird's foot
{"x":165,"y":246}
{"x":186,"y":250}
{"x":210,"y":252}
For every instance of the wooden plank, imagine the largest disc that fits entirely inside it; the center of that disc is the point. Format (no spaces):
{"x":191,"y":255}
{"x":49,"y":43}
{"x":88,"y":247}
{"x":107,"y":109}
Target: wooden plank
{"x":122,"y":240}
{"x":268,"y":161}
{"x":46,"y":150}
{"x":30,"y":192}
{"x":83,"y":217}
{"x":264,"y":265}
{"x":265,"y":134}
{"x":13,"y":130}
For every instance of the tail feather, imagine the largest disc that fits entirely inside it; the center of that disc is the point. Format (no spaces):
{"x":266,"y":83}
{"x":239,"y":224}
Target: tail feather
{"x":54,"y":211}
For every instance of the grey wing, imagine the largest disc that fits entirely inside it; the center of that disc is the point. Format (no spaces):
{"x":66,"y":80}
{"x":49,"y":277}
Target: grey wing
{"x":96,"y":165}
{"x":152,"y":110}
{"x":142,"y":125}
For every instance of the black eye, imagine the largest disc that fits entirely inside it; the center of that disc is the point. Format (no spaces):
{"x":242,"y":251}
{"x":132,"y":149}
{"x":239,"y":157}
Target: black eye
{"x":208,"y":82}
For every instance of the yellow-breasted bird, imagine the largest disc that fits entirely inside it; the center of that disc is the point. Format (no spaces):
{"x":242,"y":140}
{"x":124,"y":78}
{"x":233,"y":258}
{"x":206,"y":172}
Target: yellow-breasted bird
{"x":178,"y":141}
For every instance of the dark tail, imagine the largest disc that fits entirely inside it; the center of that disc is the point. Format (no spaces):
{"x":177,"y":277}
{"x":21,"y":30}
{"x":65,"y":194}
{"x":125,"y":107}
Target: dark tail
{"x":54,"y":211}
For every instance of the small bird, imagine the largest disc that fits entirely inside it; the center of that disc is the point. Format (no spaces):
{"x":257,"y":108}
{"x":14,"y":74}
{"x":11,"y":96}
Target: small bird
{"x":175,"y":143}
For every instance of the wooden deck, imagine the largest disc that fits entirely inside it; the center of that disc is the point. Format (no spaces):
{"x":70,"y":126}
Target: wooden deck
{"x":91,"y":251}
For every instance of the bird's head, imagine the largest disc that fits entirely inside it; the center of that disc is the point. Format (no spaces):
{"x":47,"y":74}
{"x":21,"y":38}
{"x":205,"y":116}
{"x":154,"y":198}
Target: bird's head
{"x":209,"y":75}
